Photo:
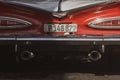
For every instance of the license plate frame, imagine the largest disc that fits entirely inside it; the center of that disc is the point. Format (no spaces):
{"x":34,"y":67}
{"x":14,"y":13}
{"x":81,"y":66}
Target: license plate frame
{"x":60,"y":27}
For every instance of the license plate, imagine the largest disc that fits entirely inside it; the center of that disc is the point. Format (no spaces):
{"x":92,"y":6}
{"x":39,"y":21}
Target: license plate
{"x":60,"y":27}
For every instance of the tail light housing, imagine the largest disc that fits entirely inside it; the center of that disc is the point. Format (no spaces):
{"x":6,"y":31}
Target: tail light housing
{"x":13,"y":23}
{"x":106,"y":23}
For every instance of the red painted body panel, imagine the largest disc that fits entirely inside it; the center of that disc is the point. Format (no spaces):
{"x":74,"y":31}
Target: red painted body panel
{"x":39,"y":17}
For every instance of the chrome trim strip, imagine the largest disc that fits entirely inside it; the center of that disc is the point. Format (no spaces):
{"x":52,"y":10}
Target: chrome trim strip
{"x":69,"y":39}
{"x":105,"y":40}
{"x":59,"y":39}
{"x":112,"y":39}
{"x":7,"y":39}
{"x":24,"y":24}
{"x":74,"y":41}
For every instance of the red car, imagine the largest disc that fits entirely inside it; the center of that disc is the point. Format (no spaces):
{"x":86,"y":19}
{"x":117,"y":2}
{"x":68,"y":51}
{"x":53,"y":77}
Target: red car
{"x":59,"y":30}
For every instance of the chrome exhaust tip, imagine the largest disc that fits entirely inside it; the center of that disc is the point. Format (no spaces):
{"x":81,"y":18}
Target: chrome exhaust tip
{"x":27,"y":55}
{"x":94,"y":55}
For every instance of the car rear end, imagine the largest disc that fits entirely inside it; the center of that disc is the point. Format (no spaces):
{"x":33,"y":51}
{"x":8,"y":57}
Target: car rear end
{"x":86,"y":33}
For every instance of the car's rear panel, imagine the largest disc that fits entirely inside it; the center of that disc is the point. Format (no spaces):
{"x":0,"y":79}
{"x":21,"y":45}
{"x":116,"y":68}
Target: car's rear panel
{"x":31,"y":42}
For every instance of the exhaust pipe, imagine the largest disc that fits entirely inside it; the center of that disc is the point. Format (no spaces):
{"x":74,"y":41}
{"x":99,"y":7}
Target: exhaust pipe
{"x":27,"y":55}
{"x":94,"y":55}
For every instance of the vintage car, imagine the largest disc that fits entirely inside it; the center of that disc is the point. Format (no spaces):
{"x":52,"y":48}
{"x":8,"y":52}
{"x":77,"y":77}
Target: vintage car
{"x":55,"y":31}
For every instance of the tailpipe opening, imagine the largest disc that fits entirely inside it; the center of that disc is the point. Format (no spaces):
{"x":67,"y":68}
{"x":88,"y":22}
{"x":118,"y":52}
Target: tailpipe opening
{"x":95,"y":55}
{"x":27,"y":55}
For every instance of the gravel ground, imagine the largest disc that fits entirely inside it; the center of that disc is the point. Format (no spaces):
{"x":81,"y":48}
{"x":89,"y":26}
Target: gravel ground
{"x":73,"y":73}
{"x":57,"y":76}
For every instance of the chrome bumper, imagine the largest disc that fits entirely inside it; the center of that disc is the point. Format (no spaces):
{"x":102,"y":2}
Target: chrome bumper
{"x":62,"y":47}
{"x":73,"y":40}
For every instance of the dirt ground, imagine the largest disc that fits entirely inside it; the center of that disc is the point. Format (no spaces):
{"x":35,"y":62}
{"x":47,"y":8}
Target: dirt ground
{"x":60,"y":73}
{"x":57,"y":76}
